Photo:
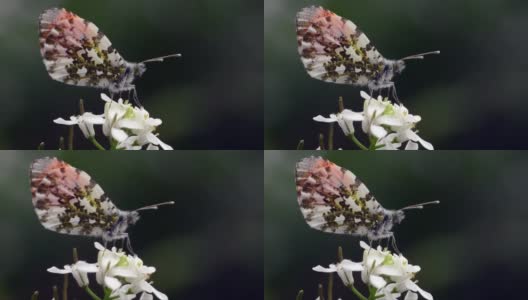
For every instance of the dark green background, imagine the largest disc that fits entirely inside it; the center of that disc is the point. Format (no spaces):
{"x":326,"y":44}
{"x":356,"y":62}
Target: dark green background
{"x":471,"y":246}
{"x":208,"y":244}
{"x":471,"y":96}
{"x":211,"y":98}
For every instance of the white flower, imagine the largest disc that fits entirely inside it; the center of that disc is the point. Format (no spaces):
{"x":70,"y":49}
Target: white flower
{"x":85,"y":121}
{"x":132,"y":127}
{"x":124,"y":274}
{"x":79,"y":270}
{"x":383,"y":118}
{"x":389,"y":273}
{"x":344,"y":269}
{"x":345,"y":120}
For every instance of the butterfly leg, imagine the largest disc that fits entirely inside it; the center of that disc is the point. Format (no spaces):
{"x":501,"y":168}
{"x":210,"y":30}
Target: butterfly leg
{"x":122,"y":244}
{"x":136,"y":99}
{"x":394,"y":246}
{"x":394,"y":94}
{"x":129,"y":245}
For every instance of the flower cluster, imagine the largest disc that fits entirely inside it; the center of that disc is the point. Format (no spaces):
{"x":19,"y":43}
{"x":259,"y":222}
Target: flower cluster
{"x":127,"y":127}
{"x":124,"y":276}
{"x":389,"y":126}
{"x":390,"y":275}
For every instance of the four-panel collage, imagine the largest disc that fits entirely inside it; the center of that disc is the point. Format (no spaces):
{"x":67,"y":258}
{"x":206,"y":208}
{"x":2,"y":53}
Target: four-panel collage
{"x":273,"y":131}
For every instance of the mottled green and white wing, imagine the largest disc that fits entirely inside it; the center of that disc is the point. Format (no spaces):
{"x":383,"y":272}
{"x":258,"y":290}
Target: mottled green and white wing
{"x":332,"y":199}
{"x":333,"y":49}
{"x":67,"y":200}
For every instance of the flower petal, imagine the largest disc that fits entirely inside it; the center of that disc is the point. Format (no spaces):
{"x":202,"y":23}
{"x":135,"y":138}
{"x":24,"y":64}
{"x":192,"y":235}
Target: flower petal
{"x":73,"y":121}
{"x":411,"y":296}
{"x":320,"y":118}
{"x":377,"y":281}
{"x":119,"y":134}
{"x":67,"y":269}
{"x":332,"y":268}
{"x":112,"y":283}
{"x":378,"y":131}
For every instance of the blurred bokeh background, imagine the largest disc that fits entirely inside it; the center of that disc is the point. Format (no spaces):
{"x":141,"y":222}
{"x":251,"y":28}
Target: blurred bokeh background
{"x":472,"y":96}
{"x":207,"y":246}
{"x":472,"y":245}
{"x":211,"y":98}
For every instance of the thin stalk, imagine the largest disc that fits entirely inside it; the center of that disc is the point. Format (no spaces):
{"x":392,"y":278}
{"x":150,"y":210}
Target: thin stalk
{"x":96,"y":143}
{"x":65,"y":287}
{"x":75,"y":255}
{"x":81,"y":106}
{"x":353,"y":138}
{"x":91,"y":293}
{"x":300,"y":145}
{"x":55,"y":293}
{"x":35,"y":295}
{"x":357,"y":293}
{"x":70,"y":138}
{"x":330,"y":289}
{"x":339,"y":254}
{"x":373,"y":141}
{"x":321,"y":141}
{"x":340,"y":104}
{"x":331,"y":137}
{"x":320,"y":291}
{"x":300,"y":295}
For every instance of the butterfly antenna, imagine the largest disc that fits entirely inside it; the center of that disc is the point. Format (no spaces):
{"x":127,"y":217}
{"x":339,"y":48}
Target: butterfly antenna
{"x":161,"y":58}
{"x":155,"y":206}
{"x":421,"y":55}
{"x":419,"y":205}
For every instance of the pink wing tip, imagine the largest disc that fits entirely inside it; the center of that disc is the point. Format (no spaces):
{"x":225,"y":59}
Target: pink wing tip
{"x":308,"y":163}
{"x":312,"y":12}
{"x":41,"y":164}
{"x":49,"y":15}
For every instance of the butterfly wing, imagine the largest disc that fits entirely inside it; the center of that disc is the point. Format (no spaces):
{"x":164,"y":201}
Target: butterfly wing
{"x":332,"y":199}
{"x":333,"y":49}
{"x":75,"y":52}
{"x":67,"y":200}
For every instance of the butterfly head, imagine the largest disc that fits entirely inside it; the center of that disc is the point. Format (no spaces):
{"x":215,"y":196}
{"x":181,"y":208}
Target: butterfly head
{"x":397,"y":216}
{"x":398,"y":66}
{"x":139,"y":69}
{"x":132,"y":217}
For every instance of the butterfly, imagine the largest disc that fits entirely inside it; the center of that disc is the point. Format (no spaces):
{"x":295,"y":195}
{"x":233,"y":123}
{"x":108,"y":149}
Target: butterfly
{"x":332,"y":199}
{"x":333,"y":49}
{"x":76,"y":52}
{"x":67,"y":200}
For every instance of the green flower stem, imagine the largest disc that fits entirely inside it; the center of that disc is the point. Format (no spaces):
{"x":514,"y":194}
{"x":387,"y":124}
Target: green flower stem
{"x":300,"y":145}
{"x":35,"y":295}
{"x":55,"y":292}
{"x":96,"y":143}
{"x":373,"y":141}
{"x":353,"y":138}
{"x":357,"y":293}
{"x":372,"y":293}
{"x":70,"y":138}
{"x":340,"y":104}
{"x":320,"y":292}
{"x":321,"y":141}
{"x":329,"y":294}
{"x":300,"y":295}
{"x":65,"y":287}
{"x":331,"y":137}
{"x":91,"y":293}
